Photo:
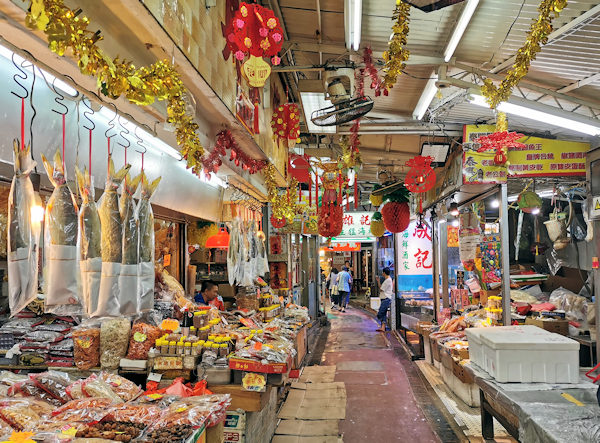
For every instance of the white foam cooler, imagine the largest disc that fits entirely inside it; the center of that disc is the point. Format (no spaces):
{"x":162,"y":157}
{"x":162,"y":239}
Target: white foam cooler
{"x":476,"y":352}
{"x":525,"y":355}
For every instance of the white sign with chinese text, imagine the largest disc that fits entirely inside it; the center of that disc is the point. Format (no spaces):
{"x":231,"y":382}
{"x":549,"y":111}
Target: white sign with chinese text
{"x":415,"y":257}
{"x":357,"y":225}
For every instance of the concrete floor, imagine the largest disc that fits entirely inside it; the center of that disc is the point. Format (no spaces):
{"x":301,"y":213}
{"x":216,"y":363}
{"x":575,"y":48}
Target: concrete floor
{"x":386,"y":400}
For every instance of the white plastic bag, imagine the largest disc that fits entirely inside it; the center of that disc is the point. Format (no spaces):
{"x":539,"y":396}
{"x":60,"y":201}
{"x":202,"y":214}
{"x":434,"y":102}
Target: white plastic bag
{"x":130,"y":257}
{"x":23,"y":234}
{"x":108,"y":295}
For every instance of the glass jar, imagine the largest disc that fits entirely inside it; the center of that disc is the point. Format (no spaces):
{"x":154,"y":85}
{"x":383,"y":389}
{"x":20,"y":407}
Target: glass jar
{"x":172,"y":347}
{"x":188,"y":349}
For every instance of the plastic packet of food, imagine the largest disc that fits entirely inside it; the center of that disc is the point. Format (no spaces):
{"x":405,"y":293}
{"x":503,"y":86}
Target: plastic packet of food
{"x":61,"y":234}
{"x":23,"y":413}
{"x":128,"y":279}
{"x":114,"y":338}
{"x":23,"y":232}
{"x":141,"y":413}
{"x":54,"y":383}
{"x":94,"y":386}
{"x":142,"y":338}
{"x":28,"y":388}
{"x":125,"y":389}
{"x":43,"y":336}
{"x":86,"y":345}
{"x":83,"y":410}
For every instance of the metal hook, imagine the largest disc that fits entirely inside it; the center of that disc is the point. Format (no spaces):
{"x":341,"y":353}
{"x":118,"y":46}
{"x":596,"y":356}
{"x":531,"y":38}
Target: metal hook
{"x":86,"y":114}
{"x":123,"y":131}
{"x":23,"y":77}
{"x":139,"y":141}
{"x":111,"y":123}
{"x":59,"y":100}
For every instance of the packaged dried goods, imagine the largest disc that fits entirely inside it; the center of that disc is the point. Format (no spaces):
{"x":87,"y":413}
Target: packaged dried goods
{"x":111,"y":228}
{"x":125,"y":389}
{"x":94,"y":386}
{"x":142,"y":338}
{"x":23,"y":413}
{"x":86,"y":347}
{"x":43,"y":336}
{"x":23,"y":232}
{"x":83,"y":410}
{"x":146,"y":236}
{"x":61,"y":232}
{"x":173,"y":434}
{"x":112,"y":430}
{"x":142,"y":413}
{"x":128,"y":278}
{"x":54,"y":383}
{"x":114,"y":338}
{"x":90,"y":241}
{"x":75,"y":390}
{"x":28,"y":388}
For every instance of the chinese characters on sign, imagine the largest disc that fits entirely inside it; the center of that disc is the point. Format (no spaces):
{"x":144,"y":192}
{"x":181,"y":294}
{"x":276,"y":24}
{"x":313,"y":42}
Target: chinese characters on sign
{"x":414,"y":258}
{"x":356,"y":224}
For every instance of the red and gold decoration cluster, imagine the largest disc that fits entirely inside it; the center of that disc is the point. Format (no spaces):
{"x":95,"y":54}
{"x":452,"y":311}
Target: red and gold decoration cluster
{"x":540,"y":29}
{"x":500,"y":141}
{"x":421,"y":176}
{"x":284,"y":206}
{"x":212,"y":162}
{"x":67,"y":29}
{"x":330,"y":219}
{"x":397,"y":54}
{"x":285,"y":124}
{"x":254,"y":31}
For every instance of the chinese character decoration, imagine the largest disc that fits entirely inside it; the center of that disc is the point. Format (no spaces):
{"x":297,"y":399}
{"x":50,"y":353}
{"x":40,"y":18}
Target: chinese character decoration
{"x":397,"y":53}
{"x":396,"y":212}
{"x":500,"y":141}
{"x":377,"y":228}
{"x":255,"y":31}
{"x":332,"y":183}
{"x":285,"y":124}
{"x":422,"y":259}
{"x":330,"y":214}
{"x":420,"y":177}
{"x":212,"y":162}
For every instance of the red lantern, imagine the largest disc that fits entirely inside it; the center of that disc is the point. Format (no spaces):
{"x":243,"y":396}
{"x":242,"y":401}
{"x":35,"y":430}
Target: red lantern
{"x":396,"y":216}
{"x":500,"y":157}
{"x":330,"y":220}
{"x":285,"y":124}
{"x":421,"y":176}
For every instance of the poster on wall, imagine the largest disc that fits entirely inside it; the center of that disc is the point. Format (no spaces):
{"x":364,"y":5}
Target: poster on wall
{"x":415,"y":258}
{"x":278,"y":273}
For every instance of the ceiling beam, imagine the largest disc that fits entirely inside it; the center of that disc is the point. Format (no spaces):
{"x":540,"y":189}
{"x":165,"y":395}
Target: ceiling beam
{"x":580,"y":83}
{"x":554,"y":35}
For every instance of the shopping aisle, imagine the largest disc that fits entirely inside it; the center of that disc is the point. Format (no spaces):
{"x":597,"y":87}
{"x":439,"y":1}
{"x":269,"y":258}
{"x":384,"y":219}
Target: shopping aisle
{"x":386,"y":399}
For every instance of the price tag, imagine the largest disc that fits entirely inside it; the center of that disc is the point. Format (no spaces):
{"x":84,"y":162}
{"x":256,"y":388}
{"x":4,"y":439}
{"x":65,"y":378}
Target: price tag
{"x":254,"y":382}
{"x":153,"y":376}
{"x":167,"y":260}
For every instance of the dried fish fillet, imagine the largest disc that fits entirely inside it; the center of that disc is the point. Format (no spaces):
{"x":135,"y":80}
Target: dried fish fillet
{"x":110,"y":218}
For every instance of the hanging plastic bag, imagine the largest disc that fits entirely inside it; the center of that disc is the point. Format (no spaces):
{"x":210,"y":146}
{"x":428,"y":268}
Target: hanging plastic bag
{"x":23,"y":233}
{"x":90,"y":245}
{"x":60,"y":242}
{"x":128,"y":279}
{"x":111,"y":228}
{"x":146,"y":236}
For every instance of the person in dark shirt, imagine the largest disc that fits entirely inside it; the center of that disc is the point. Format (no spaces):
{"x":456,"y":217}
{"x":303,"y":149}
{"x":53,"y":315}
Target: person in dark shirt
{"x":209,"y":295}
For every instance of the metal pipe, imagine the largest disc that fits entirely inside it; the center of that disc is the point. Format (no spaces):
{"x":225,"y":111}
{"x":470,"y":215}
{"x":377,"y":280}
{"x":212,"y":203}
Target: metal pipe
{"x":506,"y":318}
{"x":443,"y":253}
{"x":435,"y":269}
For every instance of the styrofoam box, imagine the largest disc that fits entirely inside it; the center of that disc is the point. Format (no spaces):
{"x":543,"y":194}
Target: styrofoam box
{"x":476,"y":354}
{"x":523,"y":356}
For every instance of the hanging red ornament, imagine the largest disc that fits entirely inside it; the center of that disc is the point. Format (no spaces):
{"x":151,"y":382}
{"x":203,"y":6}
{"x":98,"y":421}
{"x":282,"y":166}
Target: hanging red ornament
{"x":285,"y":124}
{"x":277,"y":222}
{"x":376,"y":82}
{"x":500,"y":142}
{"x":421,"y":176}
{"x":330,"y":220}
{"x":212,"y":162}
{"x":254,"y":31}
{"x":396,"y":216}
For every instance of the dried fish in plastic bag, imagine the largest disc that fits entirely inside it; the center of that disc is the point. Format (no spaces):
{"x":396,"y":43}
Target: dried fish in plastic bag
{"x":60,"y":243}
{"x":233,"y":253}
{"x":111,"y":228}
{"x":90,"y":242}
{"x":23,"y":233}
{"x":128,"y":278}
{"x":146,"y":235}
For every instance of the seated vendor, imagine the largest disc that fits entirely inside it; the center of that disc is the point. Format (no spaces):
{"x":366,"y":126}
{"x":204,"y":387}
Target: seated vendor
{"x":208,"y":295}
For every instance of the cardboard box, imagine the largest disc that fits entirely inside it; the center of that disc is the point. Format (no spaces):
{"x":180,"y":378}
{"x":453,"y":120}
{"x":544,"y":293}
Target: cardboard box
{"x":301,"y":347}
{"x":556,"y":326}
{"x":463,"y":374}
{"x":226,"y":290}
{"x":199,"y":256}
{"x":315,"y":402}
{"x":235,"y":420}
{"x":220,"y":256}
{"x":215,"y":434}
{"x":435,"y":350}
{"x":242,"y":364}
{"x":447,"y":360}
{"x":234,"y":436}
{"x":242,"y":399}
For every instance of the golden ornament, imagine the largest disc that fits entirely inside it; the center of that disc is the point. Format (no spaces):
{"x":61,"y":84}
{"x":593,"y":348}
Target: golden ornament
{"x":397,"y":53}
{"x":376,"y":200}
{"x":377,"y":228}
{"x":256,"y":71}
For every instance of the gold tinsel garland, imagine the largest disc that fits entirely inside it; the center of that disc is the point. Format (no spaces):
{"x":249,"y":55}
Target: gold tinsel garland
{"x":397,"y":53}
{"x":350,"y":158}
{"x":282,"y":205}
{"x":67,"y":29}
{"x":536,"y":38}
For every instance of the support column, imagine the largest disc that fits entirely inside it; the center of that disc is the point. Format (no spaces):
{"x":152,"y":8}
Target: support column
{"x":435,"y":268}
{"x":443,"y":254}
{"x":506,"y":318}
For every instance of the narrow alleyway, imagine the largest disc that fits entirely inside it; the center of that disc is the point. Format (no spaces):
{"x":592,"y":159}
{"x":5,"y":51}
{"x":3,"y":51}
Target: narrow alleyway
{"x":387,"y":399}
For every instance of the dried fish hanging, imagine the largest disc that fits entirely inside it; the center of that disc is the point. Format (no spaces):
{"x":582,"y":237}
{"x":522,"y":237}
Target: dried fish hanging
{"x":146,"y":236}
{"x":61,"y":267}
{"x":112,"y":242}
{"x":128,"y":279}
{"x":90,"y":242}
{"x":23,"y":231}
{"x":233,"y":252}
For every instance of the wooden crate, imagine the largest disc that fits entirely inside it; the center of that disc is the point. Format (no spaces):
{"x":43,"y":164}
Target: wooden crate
{"x":301,"y":347}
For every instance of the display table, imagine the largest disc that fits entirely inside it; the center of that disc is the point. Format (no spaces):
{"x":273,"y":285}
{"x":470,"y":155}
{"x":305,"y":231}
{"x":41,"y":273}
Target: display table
{"x":539,"y":412}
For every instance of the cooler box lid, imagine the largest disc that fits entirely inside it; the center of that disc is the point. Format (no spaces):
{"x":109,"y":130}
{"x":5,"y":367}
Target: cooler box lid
{"x":527,"y":339}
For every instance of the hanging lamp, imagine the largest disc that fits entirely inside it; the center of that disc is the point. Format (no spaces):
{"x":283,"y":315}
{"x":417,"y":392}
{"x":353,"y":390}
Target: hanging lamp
{"x":219,"y":240}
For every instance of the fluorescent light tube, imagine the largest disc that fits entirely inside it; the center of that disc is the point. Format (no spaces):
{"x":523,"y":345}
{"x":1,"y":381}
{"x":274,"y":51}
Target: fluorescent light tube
{"x":461,"y":26}
{"x":312,"y":101}
{"x":353,"y":23}
{"x":426,"y":97}
{"x":545,"y":114}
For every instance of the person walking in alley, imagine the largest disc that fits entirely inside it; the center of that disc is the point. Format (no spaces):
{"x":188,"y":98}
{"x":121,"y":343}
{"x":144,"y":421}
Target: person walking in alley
{"x":332,"y":284}
{"x":386,"y":292}
{"x":344,"y":286}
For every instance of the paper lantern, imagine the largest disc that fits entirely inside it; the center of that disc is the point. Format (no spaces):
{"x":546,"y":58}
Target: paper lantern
{"x":285,"y":124}
{"x":396,"y":216}
{"x":330,"y":220}
{"x":377,"y":227}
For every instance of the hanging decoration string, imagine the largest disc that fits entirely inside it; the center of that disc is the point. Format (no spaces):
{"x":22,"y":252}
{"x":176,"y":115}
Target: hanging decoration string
{"x":67,"y":29}
{"x":397,"y":54}
{"x":90,"y":156}
{"x":23,"y":123}
{"x":64,"y":130}
{"x":537,"y":36}
{"x":376,"y":82}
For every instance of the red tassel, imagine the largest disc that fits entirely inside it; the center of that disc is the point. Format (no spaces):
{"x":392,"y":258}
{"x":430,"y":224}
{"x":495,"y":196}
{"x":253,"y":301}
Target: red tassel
{"x":347,"y":198}
{"x":317,"y":189}
{"x":299,"y":192}
{"x":355,"y":190}
{"x":256,"y":125}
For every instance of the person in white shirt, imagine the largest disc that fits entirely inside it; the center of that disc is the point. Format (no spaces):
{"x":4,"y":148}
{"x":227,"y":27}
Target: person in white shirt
{"x":386,"y":292}
{"x":333,"y":282}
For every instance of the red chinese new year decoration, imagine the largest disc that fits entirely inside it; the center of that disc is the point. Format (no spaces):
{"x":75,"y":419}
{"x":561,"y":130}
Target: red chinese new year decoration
{"x":330,"y":220}
{"x":500,"y":142}
{"x":376,"y":82}
{"x":396,"y":216}
{"x":255,"y":31}
{"x":421,"y":176}
{"x":277,"y":222}
{"x":212,"y":162}
{"x":299,"y":167}
{"x":285,"y":124}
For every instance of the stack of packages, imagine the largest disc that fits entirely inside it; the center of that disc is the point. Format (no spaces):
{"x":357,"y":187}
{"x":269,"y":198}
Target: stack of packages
{"x":54,"y":407}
